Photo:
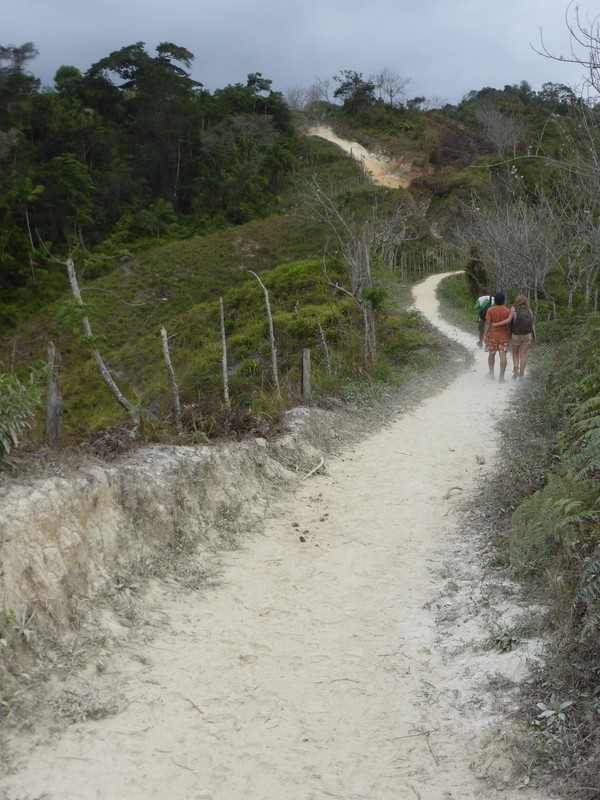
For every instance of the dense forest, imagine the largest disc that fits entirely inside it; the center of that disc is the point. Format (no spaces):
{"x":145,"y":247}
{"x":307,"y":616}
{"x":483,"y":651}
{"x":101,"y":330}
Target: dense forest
{"x":134,"y":201}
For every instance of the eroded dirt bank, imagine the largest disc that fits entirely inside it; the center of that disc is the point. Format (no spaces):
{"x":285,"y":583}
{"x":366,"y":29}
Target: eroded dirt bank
{"x":343,"y":652}
{"x":63,"y":537}
{"x":395,"y":173}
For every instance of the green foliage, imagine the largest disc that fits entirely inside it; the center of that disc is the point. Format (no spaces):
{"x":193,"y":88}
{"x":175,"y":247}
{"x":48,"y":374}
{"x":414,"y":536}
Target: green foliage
{"x":132,"y":149}
{"x":554,"y":540}
{"x":178,"y":285}
{"x":355,"y":92}
{"x":457,"y":302}
{"x":588,"y":599}
{"x":18,"y":402}
{"x":377,"y":295}
{"x":553,"y":524}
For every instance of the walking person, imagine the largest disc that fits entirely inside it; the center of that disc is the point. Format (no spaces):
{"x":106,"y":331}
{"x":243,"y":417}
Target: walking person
{"x":522,"y":327}
{"x":497,"y":336}
{"x":481,"y":306}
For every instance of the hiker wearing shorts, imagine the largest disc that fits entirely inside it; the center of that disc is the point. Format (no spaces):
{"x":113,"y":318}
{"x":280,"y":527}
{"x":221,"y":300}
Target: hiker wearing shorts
{"x":497,"y":338}
{"x":520,"y":323}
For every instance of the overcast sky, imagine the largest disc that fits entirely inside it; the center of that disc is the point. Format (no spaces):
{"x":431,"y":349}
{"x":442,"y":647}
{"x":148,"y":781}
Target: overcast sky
{"x":445,"y":47}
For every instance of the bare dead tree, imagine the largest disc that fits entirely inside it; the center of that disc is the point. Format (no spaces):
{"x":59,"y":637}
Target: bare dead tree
{"x":88,"y":335}
{"x":518,"y":241}
{"x":318,"y":91}
{"x":390,"y":86}
{"x":296,"y":97}
{"x":574,"y":208}
{"x":503,"y":131}
{"x":172,"y":380}
{"x":358,"y":242}
{"x":584,"y":45}
{"x":271,"y":333}
{"x":224,"y":355}
{"x":368,"y":318}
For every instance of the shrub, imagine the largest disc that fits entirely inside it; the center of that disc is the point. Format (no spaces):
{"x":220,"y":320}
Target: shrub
{"x":18,"y":401}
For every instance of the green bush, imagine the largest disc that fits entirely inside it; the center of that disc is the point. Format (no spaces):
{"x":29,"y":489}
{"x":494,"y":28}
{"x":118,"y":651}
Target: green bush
{"x":18,"y":402}
{"x":457,"y":302}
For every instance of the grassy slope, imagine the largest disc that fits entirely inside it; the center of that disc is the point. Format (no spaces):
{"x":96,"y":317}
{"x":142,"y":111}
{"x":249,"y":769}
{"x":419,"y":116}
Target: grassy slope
{"x":178,"y":285}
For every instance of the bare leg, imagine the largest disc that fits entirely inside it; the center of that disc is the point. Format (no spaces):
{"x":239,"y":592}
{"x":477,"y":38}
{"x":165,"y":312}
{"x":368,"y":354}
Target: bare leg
{"x":491,"y":362}
{"x":523,"y":358}
{"x":503,"y":361}
{"x":516,"y":348}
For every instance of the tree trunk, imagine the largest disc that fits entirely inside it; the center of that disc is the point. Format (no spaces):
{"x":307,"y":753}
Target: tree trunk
{"x":172,"y":380}
{"x":271,"y":333}
{"x":325,"y":350}
{"x":370,"y":333}
{"x":54,"y":402}
{"x":32,"y":246}
{"x":104,"y":373}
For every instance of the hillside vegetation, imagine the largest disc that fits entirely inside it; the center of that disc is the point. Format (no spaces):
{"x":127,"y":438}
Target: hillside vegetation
{"x":168,"y":199}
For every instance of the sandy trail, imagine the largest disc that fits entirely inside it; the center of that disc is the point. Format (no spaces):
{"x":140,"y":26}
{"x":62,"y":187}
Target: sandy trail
{"x":393,"y":173}
{"x":328,"y":662}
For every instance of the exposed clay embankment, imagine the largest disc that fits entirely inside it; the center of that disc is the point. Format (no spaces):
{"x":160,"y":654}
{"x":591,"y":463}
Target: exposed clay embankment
{"x":395,"y":173}
{"x":61,"y":538}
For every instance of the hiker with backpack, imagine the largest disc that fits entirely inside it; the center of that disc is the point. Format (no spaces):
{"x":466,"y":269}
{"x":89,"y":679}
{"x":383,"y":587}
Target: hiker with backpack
{"x":496,"y":337}
{"x":522,"y":328}
{"x":481,"y":306}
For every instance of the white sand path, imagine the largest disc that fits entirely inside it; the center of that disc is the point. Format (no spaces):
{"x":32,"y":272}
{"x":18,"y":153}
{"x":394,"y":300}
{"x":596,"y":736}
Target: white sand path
{"x":317,"y":668}
{"x":393,"y":173}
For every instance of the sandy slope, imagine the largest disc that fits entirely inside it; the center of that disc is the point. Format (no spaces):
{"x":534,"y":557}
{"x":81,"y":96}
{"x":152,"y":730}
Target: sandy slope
{"x":394,"y":173}
{"x":333,"y":659}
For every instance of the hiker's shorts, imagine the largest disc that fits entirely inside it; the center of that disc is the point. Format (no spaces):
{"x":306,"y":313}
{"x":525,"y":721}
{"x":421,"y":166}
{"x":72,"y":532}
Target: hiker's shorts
{"x":521,"y":338}
{"x":497,"y":345}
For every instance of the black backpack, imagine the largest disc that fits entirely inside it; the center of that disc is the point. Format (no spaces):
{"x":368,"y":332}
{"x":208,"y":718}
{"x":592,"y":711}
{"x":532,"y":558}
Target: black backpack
{"x":522,"y":322}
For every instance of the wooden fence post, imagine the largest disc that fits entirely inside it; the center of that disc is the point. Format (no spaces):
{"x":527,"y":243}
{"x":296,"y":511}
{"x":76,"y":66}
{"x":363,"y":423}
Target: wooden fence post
{"x":172,"y":381}
{"x":306,"y":388}
{"x":224,"y":355}
{"x":54,"y":402}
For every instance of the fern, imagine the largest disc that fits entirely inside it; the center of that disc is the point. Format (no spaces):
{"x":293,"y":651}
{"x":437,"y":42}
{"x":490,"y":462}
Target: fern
{"x":580,"y":442}
{"x":588,"y":595}
{"x":573,"y":512}
{"x":553,"y":521}
{"x":534,"y":533}
{"x":589,"y":582}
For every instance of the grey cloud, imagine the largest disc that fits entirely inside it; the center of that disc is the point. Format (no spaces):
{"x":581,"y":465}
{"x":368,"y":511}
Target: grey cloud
{"x":445,"y":48}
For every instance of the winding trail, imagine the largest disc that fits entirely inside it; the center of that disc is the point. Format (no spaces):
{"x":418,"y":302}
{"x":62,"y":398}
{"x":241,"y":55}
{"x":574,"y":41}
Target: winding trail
{"x":333,"y":659}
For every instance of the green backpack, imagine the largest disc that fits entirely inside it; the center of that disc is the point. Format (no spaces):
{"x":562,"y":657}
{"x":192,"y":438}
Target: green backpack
{"x":484,"y":308}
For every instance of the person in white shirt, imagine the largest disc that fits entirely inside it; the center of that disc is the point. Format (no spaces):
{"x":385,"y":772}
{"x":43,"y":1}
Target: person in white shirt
{"x":481,"y":306}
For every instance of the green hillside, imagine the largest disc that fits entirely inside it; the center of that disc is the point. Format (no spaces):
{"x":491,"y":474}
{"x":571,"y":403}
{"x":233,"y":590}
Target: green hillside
{"x":169,"y":198}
